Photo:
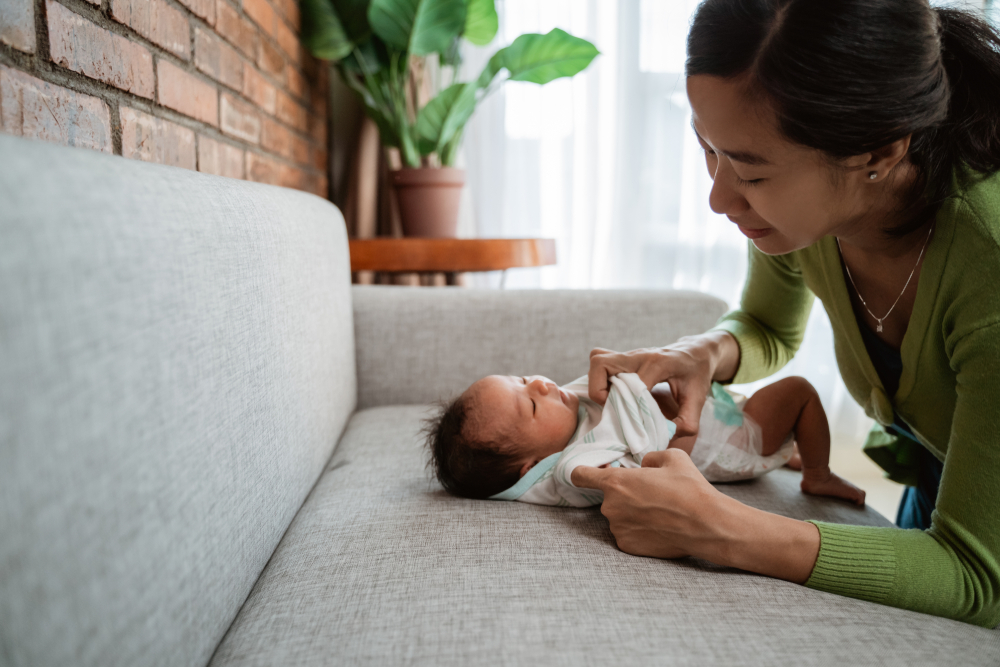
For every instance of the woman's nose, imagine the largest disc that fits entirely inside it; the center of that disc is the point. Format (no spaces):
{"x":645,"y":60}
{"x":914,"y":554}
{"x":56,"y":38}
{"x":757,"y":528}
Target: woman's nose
{"x":724,"y":198}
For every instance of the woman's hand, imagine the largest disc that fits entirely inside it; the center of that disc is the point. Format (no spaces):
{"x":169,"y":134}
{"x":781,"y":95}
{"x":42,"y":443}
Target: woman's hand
{"x":688,"y":366}
{"x":667,"y":509}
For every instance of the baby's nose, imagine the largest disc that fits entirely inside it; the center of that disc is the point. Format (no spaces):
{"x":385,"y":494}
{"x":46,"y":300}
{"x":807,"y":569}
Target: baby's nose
{"x":541,"y":385}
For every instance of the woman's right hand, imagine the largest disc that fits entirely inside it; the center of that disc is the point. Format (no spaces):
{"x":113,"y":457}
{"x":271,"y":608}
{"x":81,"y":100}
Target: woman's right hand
{"x":688,"y":366}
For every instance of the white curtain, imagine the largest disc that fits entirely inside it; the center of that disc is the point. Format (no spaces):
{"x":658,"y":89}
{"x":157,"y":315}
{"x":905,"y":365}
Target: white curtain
{"x":607,"y":164}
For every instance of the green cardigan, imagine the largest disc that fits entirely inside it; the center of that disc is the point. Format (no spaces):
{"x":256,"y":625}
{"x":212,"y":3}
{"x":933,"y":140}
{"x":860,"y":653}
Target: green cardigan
{"x":949,"y":393}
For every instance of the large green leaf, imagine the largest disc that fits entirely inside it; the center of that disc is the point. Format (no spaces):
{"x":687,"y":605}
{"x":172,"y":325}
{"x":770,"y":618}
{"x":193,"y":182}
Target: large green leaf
{"x":419,"y":27}
{"x":543,"y":58}
{"x":492,"y":68}
{"x":322,"y":32}
{"x":481,"y":22}
{"x":451,"y":108}
{"x":354,"y":17}
{"x":372,"y":51}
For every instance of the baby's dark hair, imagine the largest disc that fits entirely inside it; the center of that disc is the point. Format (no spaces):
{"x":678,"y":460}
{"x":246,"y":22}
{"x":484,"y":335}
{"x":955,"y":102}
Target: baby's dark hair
{"x":466,"y":465}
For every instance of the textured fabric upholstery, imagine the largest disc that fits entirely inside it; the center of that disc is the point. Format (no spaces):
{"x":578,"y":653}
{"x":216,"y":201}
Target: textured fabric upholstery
{"x":420,"y":346}
{"x":176,"y":367}
{"x":381,"y":567}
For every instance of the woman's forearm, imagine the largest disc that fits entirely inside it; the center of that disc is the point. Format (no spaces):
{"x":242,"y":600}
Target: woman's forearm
{"x":758,"y":541}
{"x":726,"y":353}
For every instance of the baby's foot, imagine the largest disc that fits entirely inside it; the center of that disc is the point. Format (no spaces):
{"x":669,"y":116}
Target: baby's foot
{"x":824,"y":482}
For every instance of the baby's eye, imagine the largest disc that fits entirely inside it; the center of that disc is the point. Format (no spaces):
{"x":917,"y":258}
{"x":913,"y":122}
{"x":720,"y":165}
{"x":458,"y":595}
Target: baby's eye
{"x":532,"y":406}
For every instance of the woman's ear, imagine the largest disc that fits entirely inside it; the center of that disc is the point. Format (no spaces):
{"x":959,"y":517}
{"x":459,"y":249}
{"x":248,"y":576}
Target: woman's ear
{"x":879,"y":161}
{"x":883,"y":160}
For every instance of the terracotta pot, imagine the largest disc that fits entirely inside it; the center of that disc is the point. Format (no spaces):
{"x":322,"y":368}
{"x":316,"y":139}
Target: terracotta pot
{"x":428,"y":200}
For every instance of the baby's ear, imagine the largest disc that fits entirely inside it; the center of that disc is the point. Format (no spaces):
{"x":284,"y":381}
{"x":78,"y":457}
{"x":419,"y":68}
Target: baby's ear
{"x":528,"y":466}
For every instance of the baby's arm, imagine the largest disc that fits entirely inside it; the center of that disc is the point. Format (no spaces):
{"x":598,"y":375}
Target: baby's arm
{"x":669,"y":408}
{"x":791,"y":405}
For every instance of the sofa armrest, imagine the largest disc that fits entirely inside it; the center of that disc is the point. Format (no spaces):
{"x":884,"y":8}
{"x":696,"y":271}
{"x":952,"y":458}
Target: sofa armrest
{"x":422,"y":345}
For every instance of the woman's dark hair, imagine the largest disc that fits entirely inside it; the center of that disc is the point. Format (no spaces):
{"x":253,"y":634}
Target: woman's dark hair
{"x":465,"y":465}
{"x":851,"y":76}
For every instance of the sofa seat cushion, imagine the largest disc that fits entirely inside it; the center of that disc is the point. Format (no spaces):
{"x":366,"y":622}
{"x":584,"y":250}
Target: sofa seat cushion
{"x":382,"y":567}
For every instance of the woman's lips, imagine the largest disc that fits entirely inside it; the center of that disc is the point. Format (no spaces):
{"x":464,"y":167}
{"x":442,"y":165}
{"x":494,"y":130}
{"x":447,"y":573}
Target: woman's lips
{"x":754,"y":233}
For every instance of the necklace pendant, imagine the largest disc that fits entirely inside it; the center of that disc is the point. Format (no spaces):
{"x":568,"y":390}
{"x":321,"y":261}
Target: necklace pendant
{"x":879,"y":328}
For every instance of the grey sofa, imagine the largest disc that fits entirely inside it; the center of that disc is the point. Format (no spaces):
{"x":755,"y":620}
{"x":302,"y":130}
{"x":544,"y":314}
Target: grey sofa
{"x":210,"y":454}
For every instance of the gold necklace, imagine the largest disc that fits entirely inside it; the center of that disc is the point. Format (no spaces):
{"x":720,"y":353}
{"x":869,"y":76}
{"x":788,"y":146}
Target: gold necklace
{"x":851,"y":278}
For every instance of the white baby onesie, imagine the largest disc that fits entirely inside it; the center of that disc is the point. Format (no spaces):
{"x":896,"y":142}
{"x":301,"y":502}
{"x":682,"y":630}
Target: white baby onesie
{"x":631,"y":425}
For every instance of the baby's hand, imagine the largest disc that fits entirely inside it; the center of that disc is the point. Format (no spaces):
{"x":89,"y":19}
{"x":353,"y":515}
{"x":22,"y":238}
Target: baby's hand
{"x":823,"y":482}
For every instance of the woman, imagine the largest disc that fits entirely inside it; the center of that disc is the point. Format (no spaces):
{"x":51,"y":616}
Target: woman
{"x":856,"y":143}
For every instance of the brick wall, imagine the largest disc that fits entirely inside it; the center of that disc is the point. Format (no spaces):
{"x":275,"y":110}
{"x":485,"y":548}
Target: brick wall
{"x":221,"y":86}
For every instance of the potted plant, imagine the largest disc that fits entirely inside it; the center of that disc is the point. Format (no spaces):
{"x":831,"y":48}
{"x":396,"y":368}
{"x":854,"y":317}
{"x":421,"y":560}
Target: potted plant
{"x":373,"y":44}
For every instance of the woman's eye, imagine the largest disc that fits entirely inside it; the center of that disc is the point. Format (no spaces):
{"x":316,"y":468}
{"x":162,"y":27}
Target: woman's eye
{"x":748,"y":184}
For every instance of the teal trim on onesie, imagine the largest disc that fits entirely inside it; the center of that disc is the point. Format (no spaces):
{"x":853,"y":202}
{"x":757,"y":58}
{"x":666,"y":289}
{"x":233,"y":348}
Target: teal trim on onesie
{"x":529,"y":479}
{"x":726,"y":410}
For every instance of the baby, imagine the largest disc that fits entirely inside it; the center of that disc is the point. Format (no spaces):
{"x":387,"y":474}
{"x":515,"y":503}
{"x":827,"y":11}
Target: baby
{"x":519,"y":438}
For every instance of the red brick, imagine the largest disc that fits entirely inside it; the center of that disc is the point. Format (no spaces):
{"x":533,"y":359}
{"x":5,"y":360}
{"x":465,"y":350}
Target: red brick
{"x":258,"y":90}
{"x":263,"y":169}
{"x":187,"y":93}
{"x":218,"y":60}
{"x":203,"y":8}
{"x":79,"y":45}
{"x":17,"y":24}
{"x":290,"y":10}
{"x":292,"y":113}
{"x":317,"y":101}
{"x":153,"y":139}
{"x":301,"y":151}
{"x":320,"y":159}
{"x":237,"y":30}
{"x":317,"y":129}
{"x":270,"y":60}
{"x":288,"y":41}
{"x":215,"y":157}
{"x":277,"y":139}
{"x":239,"y":120}
{"x":297,"y":84}
{"x":30,"y":107}
{"x":156,"y":21}
{"x":262,"y":13}
{"x":320,"y":186}
{"x":293,"y":178}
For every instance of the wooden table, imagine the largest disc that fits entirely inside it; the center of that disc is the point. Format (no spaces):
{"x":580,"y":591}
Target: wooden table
{"x":449,"y":256}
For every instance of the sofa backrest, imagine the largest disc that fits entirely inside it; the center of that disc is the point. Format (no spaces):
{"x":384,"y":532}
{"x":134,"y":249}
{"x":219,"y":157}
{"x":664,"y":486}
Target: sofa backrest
{"x":419,"y":346}
{"x":176,"y":367}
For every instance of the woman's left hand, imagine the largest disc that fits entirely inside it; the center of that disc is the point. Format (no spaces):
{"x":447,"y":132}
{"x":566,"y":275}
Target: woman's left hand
{"x":666,"y":509}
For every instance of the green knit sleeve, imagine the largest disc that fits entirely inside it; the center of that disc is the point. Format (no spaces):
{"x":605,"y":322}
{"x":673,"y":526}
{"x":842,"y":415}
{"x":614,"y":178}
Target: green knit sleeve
{"x":953,"y":568}
{"x":771,"y":320}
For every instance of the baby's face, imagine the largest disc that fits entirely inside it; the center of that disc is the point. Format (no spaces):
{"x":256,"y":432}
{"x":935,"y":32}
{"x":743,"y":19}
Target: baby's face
{"x":531,"y":410}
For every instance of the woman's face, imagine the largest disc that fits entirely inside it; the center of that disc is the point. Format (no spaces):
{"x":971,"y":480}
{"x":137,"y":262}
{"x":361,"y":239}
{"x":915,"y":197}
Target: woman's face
{"x":782,"y":195}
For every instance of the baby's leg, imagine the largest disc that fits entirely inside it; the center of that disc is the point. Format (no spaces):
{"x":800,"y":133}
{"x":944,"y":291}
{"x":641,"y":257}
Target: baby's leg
{"x":791,"y":405}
